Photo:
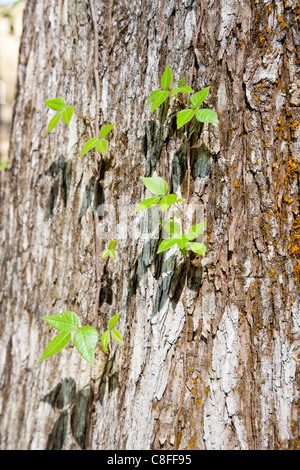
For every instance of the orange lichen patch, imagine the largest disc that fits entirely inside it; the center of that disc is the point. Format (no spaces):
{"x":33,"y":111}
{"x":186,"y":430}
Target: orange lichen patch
{"x":293,"y":128}
{"x":192,"y":444}
{"x":297,"y":271}
{"x":288,"y":200}
{"x":295,"y":245}
{"x":272,"y":273}
{"x":291,"y":170}
{"x":236,"y":184}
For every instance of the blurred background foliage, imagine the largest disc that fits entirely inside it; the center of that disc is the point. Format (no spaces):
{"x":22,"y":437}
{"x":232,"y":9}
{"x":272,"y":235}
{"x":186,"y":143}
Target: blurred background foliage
{"x":11,"y":15}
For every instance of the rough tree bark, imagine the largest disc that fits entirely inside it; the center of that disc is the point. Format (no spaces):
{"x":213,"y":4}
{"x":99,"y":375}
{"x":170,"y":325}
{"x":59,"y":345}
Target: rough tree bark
{"x":242,"y":388}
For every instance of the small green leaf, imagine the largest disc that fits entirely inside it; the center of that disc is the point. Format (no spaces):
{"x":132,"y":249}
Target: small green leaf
{"x":157,"y":186}
{"x":112,"y":254}
{"x":166,"y":244}
{"x":198,"y":98}
{"x":166,"y":78}
{"x":173,"y":228}
{"x":105,"y":130}
{"x":167,"y":201}
{"x":184,"y":116}
{"x":159,"y":99}
{"x":113,"y":321}
{"x":85,"y":340}
{"x":105,"y":339}
{"x":3,"y":165}
{"x":153,"y":94}
{"x":181,"y":82}
{"x":186,"y":89}
{"x":175,"y":91}
{"x":104,"y":253}
{"x":182,"y":241}
{"x":184,"y":251}
{"x":198,"y":248}
{"x":112,"y":244}
{"x":195,"y":230}
{"x":67,"y":114}
{"x":65,"y":321}
{"x":147,"y":203}
{"x":116,"y":335}
{"x":56,"y":345}
{"x":89,"y":145}
{"x":206,"y":115}
{"x":101,"y":146}
{"x":58,"y":104}
{"x":53,"y":122}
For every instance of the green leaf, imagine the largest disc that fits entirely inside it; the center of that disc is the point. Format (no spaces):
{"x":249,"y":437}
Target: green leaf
{"x":198,"y":248}
{"x":67,"y":114}
{"x":152,"y":201}
{"x":112,"y":244}
{"x":105,"y":339}
{"x":157,"y":186}
{"x":65,"y":321}
{"x":116,"y":335}
{"x":198,"y":98}
{"x":159,"y":99}
{"x":85,"y":340}
{"x":53,"y":122}
{"x":3,"y":165}
{"x":181,"y":82}
{"x":186,"y":89}
{"x":166,"y":244}
{"x":195,"y":230}
{"x":175,"y":91}
{"x":89,"y":145}
{"x":112,"y":253}
{"x":184,"y":116}
{"x":105,"y":130}
{"x":56,"y":345}
{"x":206,"y":115}
{"x":166,"y":78}
{"x":101,"y":146}
{"x":58,"y":104}
{"x":105,"y":253}
{"x":153,"y":94}
{"x":167,"y":201}
{"x":173,"y":228}
{"x":182,"y":241}
{"x":184,"y":251}
{"x":113,"y":321}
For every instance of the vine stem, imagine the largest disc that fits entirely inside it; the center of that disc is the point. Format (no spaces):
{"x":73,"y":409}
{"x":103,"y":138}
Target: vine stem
{"x":184,"y":298}
{"x":86,"y":119}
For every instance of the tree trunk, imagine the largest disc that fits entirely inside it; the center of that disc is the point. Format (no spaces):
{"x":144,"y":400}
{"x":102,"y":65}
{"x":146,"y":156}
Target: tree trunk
{"x":242,"y":386}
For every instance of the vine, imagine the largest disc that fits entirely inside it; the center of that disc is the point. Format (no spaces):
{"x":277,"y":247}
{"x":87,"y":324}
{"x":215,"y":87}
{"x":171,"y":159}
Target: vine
{"x":86,"y":338}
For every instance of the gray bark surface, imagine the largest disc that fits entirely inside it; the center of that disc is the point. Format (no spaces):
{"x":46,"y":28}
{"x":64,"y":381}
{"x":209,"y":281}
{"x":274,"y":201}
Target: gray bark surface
{"x":242,"y":389}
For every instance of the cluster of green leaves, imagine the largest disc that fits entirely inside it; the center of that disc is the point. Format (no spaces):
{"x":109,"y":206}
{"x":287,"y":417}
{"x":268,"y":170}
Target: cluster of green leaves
{"x":157,"y":97}
{"x":110,"y":250}
{"x":111,"y":332}
{"x":158,"y":186}
{"x":101,"y":143}
{"x":85,"y":338}
{"x":65,"y":112}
